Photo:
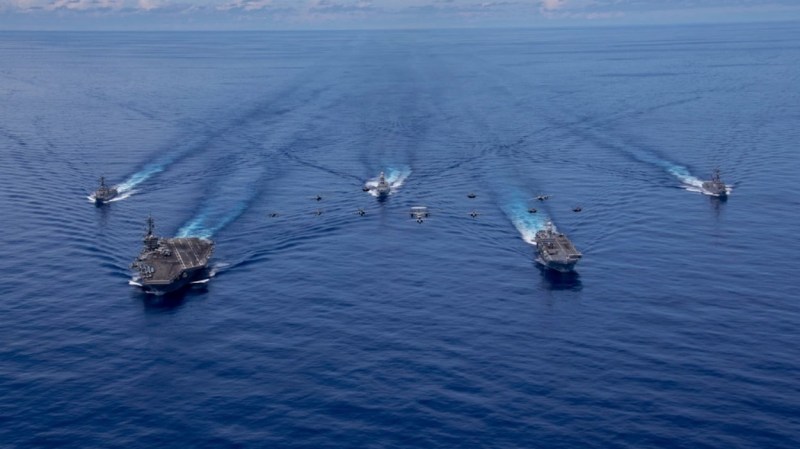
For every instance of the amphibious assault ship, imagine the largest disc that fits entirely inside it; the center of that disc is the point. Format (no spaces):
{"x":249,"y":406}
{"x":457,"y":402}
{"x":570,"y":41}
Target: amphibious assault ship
{"x":167,"y":264}
{"x":555,"y":250}
{"x":104,"y":194}
{"x":715,"y":186}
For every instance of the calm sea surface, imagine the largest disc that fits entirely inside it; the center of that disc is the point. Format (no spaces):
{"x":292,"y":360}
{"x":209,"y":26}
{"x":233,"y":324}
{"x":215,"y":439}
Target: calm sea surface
{"x":336,"y":330}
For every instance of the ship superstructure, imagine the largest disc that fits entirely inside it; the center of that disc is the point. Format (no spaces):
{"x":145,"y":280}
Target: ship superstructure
{"x":104,"y":193}
{"x":381,"y":188}
{"x":715,"y":186}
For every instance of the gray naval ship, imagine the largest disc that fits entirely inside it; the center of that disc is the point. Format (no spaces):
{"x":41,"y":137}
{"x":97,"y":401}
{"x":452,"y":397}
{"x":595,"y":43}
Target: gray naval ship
{"x":104,"y":193}
{"x":382,"y":188}
{"x":715,"y":186}
{"x":555,"y":250}
{"x":167,"y":264}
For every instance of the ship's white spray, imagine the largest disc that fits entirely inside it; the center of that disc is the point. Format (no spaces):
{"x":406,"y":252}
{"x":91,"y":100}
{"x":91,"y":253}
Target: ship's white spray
{"x":121,"y":196}
{"x":230,"y":199}
{"x":394,"y":176}
{"x":688,"y":181}
{"x":516,"y":208}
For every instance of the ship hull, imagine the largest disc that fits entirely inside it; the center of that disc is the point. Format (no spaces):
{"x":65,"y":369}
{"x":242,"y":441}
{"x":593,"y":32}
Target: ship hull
{"x":712,"y":189}
{"x":102,"y":199}
{"x":716,"y":194}
{"x":182,"y":281}
{"x":561,"y":267}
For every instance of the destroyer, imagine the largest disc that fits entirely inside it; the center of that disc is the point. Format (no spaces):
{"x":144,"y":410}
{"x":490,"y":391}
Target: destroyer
{"x":555,"y":250}
{"x":167,"y":264}
{"x":104,"y":193}
{"x":382,"y":188}
{"x":715,"y":186}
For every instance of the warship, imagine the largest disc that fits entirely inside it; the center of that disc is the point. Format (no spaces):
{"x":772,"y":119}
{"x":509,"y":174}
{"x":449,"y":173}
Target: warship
{"x":104,"y":194}
{"x":382,"y":189}
{"x":555,"y":250}
{"x":715,"y":186}
{"x":168,"y":264}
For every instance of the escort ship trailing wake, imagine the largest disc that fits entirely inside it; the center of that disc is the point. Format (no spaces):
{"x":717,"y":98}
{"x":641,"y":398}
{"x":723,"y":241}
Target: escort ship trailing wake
{"x":715,"y":186}
{"x":382,"y":188}
{"x":104,"y":193}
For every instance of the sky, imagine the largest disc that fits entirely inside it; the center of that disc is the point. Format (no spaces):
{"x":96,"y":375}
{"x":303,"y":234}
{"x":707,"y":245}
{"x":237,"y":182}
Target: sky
{"x":375,"y":14}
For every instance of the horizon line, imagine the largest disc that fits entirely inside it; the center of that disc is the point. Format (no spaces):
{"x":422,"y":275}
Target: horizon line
{"x":554,"y":26}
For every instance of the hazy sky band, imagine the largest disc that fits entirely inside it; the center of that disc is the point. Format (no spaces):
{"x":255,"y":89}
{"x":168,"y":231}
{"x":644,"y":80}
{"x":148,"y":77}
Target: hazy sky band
{"x":311,"y":14}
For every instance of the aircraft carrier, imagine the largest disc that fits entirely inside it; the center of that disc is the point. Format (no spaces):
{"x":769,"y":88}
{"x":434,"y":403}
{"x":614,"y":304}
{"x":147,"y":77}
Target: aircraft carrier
{"x":168,"y":264}
{"x":555,"y":251}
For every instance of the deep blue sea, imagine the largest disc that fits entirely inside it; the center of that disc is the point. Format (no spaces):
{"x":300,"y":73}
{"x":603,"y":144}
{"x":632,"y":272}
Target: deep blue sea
{"x":326,"y":329}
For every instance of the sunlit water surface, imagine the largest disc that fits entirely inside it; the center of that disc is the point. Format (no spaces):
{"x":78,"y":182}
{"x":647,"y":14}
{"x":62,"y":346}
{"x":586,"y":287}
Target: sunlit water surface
{"x":325,"y":328}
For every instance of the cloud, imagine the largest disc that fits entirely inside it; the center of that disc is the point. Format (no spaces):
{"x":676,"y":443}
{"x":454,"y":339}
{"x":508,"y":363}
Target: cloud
{"x":149,"y":5}
{"x":245,"y":5}
{"x":551,"y":5}
{"x":339,"y":7}
{"x":18,"y":4}
{"x":16,"y":14}
{"x":85,"y":5}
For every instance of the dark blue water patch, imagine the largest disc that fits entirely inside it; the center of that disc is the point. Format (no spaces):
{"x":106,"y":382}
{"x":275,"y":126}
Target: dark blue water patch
{"x":325,"y":328}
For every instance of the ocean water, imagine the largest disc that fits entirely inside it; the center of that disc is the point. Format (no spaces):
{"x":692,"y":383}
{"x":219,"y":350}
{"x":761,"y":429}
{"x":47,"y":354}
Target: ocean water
{"x":331,"y":329}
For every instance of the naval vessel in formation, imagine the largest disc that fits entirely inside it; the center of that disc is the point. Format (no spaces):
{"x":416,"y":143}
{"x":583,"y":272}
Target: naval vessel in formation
{"x":104,"y":194}
{"x":382,"y":189}
{"x":554,"y":249}
{"x":167,"y":264}
{"x":715,"y":186}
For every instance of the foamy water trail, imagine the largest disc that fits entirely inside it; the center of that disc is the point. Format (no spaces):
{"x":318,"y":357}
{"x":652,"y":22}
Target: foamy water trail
{"x":217,"y":268}
{"x":143,"y":175}
{"x":515,"y":206}
{"x":213,"y":218}
{"x":682,"y":174}
{"x":232,"y":197}
{"x":157,"y":166}
{"x":688,"y":181}
{"x":397,"y":176}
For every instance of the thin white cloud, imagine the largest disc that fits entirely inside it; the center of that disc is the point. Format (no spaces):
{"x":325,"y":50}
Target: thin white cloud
{"x":85,"y":5}
{"x":379,"y":13}
{"x":330,"y":6}
{"x":149,"y":5}
{"x":18,"y":4}
{"x":551,"y":5}
{"x":245,"y":5}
